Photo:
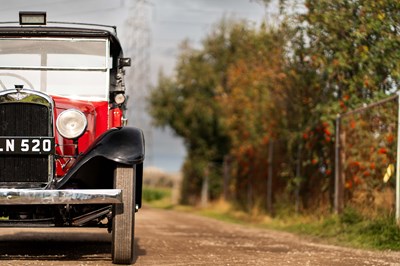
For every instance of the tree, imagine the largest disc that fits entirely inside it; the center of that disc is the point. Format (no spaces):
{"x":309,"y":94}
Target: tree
{"x":346,"y":54}
{"x":354,"y":46}
{"x":221,"y":99}
{"x":247,"y":87}
{"x":255,"y":83}
{"x":187,"y":104}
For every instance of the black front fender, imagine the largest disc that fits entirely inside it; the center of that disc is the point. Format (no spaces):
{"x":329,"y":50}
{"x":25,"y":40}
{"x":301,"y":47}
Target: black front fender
{"x":124,"y":145}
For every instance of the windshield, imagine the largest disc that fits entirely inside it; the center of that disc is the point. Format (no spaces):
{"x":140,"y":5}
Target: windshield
{"x":64,"y":66}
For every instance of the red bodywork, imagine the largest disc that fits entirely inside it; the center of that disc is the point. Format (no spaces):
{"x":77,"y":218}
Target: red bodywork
{"x":100,"y":116}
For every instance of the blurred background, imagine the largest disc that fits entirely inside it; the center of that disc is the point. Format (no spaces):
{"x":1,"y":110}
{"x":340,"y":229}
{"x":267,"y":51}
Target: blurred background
{"x":150,"y":32}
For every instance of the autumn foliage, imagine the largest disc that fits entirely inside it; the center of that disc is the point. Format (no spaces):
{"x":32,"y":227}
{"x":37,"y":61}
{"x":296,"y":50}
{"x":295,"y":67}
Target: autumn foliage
{"x":261,"y":101}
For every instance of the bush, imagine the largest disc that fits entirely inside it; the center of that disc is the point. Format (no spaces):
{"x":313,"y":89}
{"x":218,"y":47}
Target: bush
{"x":384,"y":233}
{"x":155,"y":194}
{"x":350,"y":217}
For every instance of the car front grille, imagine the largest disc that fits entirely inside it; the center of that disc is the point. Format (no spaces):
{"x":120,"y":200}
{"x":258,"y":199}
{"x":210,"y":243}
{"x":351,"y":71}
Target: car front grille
{"x":24,"y":120}
{"x":22,"y":169}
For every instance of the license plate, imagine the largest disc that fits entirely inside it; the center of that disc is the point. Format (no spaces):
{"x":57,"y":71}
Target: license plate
{"x":24,"y":145}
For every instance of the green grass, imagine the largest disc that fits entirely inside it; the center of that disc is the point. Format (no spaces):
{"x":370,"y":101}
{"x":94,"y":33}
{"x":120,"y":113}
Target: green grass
{"x":157,"y":197}
{"x":226,"y":217}
{"x":347,"y":229}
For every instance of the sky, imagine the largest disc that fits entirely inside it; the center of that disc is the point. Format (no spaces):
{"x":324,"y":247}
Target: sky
{"x":169,"y":22}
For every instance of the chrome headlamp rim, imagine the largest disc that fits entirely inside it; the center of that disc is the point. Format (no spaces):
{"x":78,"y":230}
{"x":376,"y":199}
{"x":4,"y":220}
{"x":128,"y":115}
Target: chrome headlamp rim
{"x":71,"y":123}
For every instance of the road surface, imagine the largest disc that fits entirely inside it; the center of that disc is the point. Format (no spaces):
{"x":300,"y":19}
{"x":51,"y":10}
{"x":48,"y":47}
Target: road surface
{"x":174,"y":238}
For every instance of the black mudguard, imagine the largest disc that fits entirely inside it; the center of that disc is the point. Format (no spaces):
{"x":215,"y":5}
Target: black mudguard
{"x":124,"y":145}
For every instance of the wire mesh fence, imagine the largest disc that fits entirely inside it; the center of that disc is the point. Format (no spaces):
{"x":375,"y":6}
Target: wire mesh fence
{"x":366,"y":158}
{"x":363,"y":176}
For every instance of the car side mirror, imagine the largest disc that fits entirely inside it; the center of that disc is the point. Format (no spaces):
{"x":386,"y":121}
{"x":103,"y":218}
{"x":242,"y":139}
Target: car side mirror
{"x":125,"y":62}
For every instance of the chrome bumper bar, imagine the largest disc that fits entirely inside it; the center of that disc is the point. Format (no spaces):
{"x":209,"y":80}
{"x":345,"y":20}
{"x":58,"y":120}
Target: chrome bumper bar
{"x":68,"y":196}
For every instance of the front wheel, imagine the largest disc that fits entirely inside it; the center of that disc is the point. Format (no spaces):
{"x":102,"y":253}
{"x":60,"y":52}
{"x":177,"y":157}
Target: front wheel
{"x":124,"y":216}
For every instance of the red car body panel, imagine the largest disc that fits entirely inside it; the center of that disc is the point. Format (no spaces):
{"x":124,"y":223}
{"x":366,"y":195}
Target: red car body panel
{"x":100,"y":118}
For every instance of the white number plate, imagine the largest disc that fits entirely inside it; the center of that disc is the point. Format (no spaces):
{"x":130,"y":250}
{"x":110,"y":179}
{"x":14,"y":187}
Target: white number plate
{"x":22,"y":145}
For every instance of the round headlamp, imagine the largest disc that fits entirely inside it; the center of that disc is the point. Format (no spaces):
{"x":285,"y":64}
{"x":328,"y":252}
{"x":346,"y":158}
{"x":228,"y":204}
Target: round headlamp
{"x":119,"y":98}
{"x":71,"y":123}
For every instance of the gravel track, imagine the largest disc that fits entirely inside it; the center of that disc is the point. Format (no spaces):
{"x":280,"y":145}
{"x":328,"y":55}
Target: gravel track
{"x":175,"y":238}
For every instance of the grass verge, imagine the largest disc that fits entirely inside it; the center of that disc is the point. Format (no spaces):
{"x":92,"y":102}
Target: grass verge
{"x":157,"y":197}
{"x":349,"y":229}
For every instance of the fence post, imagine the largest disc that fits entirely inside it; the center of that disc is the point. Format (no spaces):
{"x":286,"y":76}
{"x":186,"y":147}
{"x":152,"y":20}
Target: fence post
{"x":270,"y":173}
{"x":226,"y":173}
{"x":398,"y":163}
{"x":338,"y":200}
{"x":205,"y":187}
{"x":298,"y":178}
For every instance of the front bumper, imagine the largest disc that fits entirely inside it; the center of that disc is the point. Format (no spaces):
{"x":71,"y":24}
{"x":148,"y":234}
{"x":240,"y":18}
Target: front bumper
{"x":62,"y":197}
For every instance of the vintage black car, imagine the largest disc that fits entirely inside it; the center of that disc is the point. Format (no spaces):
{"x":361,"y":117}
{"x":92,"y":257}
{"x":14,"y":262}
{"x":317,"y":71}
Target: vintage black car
{"x":66,"y":157}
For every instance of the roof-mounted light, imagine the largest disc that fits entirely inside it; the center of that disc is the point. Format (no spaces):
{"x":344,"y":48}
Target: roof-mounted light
{"x":32,"y":18}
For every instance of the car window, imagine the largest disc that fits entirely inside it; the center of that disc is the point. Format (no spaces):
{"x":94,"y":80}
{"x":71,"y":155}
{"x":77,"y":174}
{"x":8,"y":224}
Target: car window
{"x":63,"y":66}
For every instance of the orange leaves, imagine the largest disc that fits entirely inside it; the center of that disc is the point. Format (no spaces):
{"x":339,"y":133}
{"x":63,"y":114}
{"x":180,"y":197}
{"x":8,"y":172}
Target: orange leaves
{"x":390,"y":138}
{"x":382,"y":151}
{"x":366,"y":81}
{"x":353,"y":124}
{"x":343,"y":106}
{"x":352,"y":182}
{"x":372,"y":166}
{"x":328,"y":172}
{"x":319,"y":135}
{"x":265,"y":140}
{"x":366,"y":173}
{"x":354,"y":164}
{"x":348,"y":184}
{"x":357,"y":180}
{"x":282,"y":76}
{"x":327,"y":134}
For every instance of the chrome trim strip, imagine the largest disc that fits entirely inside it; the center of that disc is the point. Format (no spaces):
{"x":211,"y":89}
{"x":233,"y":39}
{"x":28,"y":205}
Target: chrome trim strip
{"x":67,"y":196}
{"x":27,"y":92}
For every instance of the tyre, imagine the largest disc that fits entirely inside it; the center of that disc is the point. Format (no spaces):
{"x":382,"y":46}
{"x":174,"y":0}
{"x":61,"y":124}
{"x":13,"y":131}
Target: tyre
{"x":124,"y":216}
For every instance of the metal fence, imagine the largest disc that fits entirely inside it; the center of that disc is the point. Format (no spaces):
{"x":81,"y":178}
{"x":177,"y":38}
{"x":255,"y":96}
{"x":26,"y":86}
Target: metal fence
{"x":366,"y":156}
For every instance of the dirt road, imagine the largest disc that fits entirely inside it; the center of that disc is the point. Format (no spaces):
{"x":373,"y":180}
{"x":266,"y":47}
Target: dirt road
{"x":173,"y":238}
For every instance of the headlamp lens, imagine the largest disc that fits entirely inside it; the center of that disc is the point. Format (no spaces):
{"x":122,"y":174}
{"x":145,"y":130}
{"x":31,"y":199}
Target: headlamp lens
{"x":71,"y":123}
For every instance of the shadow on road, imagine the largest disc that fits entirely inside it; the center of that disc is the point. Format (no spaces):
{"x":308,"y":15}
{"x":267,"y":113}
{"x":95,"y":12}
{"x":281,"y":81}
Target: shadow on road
{"x":139,"y":252}
{"x":57,"y":244}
